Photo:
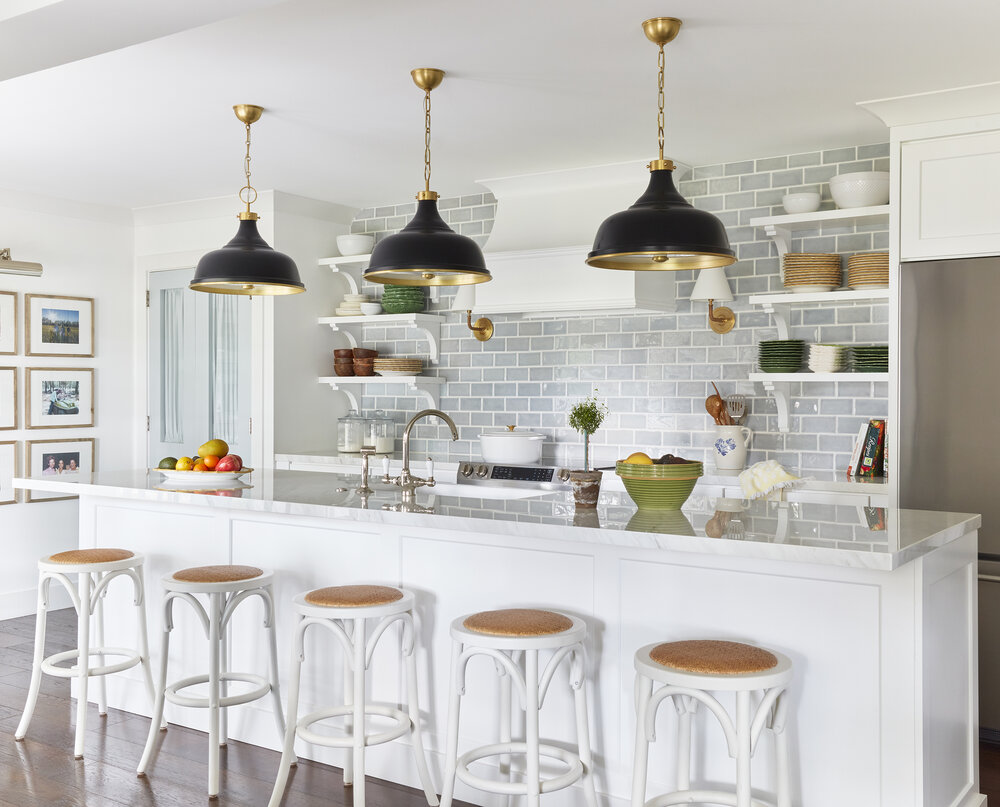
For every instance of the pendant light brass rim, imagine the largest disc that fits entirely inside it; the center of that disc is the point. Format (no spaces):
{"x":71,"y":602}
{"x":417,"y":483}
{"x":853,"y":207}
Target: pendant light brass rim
{"x":248,"y":113}
{"x":661,"y":30}
{"x":419,"y":277}
{"x":427,"y":78}
{"x":694,"y":260}
{"x":248,"y":289}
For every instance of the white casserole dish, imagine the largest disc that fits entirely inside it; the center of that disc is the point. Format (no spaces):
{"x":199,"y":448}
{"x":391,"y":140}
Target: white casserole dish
{"x":511,"y":447}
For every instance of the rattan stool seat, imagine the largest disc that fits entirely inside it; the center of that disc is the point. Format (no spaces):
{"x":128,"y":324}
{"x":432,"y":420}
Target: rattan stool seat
{"x":713,"y":657}
{"x":217,"y":574}
{"x":96,"y":555}
{"x":353,"y":596}
{"x":518,"y":622}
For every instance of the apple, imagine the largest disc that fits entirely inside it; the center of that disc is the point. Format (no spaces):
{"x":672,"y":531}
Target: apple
{"x":230,"y":463}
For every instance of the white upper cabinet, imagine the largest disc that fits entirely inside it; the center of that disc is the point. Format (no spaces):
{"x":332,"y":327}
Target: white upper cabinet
{"x":948,"y":197}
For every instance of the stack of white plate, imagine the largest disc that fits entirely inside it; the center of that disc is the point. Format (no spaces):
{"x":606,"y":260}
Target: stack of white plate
{"x":806,"y":272}
{"x":351,"y":307}
{"x":390,"y":366}
{"x":828,"y":358}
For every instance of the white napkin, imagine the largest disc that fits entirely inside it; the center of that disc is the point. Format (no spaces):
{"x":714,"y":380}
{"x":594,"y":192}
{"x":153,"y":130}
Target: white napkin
{"x":763,"y":478}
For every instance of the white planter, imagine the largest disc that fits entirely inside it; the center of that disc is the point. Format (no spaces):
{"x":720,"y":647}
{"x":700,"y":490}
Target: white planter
{"x":511,"y":447}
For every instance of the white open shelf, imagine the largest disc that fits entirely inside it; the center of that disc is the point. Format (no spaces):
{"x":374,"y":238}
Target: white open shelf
{"x":779,"y":305}
{"x":429,"y":326}
{"x":427,"y":385}
{"x":780,"y":228}
{"x":779,"y":386}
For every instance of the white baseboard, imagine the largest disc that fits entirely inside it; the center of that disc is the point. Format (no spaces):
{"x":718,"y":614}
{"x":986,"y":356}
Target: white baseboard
{"x":25,"y":602}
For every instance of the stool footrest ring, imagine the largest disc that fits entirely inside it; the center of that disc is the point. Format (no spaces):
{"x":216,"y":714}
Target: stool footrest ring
{"x":558,"y":782}
{"x":262,"y":687}
{"x":700,"y":796}
{"x":402,"y":727}
{"x":131,"y":659}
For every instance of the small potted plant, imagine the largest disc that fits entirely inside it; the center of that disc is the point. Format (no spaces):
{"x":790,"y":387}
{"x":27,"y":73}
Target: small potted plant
{"x":586,"y":417}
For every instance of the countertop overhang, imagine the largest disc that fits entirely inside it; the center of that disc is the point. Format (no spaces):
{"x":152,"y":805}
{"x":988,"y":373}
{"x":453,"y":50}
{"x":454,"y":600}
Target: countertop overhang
{"x":828,"y":534}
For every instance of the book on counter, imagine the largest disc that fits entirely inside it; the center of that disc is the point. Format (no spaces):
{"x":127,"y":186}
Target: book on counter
{"x":869,"y":457}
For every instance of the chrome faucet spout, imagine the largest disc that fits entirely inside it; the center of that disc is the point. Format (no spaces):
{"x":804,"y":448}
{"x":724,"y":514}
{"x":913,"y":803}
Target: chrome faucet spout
{"x":406,"y":481}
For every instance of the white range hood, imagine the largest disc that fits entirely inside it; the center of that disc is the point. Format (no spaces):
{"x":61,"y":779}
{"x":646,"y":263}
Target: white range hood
{"x":544,"y":228}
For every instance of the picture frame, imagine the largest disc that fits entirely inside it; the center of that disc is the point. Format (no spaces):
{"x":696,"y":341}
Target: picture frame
{"x":59,"y":397}
{"x":58,"y":326}
{"x":8,"y":470}
{"x":8,"y":398}
{"x":52,"y":458}
{"x":8,"y":323}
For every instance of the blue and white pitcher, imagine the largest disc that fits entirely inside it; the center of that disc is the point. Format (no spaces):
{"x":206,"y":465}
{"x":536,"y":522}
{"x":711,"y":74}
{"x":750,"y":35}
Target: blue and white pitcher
{"x":730,"y":447}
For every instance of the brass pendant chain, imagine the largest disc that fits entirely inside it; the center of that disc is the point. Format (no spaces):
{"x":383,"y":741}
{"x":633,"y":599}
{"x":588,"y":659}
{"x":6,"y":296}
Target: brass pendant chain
{"x":248,"y":193}
{"x":659,"y":118}
{"x":427,"y":140}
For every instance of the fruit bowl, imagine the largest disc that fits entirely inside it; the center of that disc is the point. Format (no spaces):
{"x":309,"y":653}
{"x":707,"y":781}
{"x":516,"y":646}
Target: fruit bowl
{"x":203,"y":478}
{"x":659,"y":487}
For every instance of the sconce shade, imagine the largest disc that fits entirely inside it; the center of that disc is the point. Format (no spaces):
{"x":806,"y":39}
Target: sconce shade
{"x":662,"y":232}
{"x":465,"y":299}
{"x":712,"y":285}
{"x":247,"y":265}
{"x":427,"y":252}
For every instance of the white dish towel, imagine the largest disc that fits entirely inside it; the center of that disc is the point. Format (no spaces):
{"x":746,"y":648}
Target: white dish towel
{"x":763,"y":478}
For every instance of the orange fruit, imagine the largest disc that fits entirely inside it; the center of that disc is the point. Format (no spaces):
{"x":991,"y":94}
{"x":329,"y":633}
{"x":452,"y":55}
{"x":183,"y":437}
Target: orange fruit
{"x":200,"y":466}
{"x":210,"y":461}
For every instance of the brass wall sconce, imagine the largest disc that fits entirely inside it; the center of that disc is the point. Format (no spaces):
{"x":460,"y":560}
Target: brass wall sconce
{"x":9,"y":266}
{"x":465,"y":301}
{"x":712,"y":285}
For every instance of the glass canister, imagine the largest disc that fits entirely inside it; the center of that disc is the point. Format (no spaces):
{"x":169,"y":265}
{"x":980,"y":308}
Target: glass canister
{"x":380,"y":433}
{"x":350,"y":433}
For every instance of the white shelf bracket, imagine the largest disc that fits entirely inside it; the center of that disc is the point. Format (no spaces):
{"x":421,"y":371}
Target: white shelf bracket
{"x":782,"y":238}
{"x":352,"y":282}
{"x":430,"y":392}
{"x":781,"y":313}
{"x":432,"y":332}
{"x":352,"y":332}
{"x":351,"y":395}
{"x":779,"y":390}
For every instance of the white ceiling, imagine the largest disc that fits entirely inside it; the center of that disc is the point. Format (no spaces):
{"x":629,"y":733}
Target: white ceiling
{"x":128,"y":103}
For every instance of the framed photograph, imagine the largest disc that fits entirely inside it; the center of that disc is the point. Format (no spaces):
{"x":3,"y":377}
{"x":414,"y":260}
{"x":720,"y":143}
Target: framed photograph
{"x":8,"y":470}
{"x":58,"y":326}
{"x":8,"y":398}
{"x":59,"y":397}
{"x":8,"y":323}
{"x":58,"y":459}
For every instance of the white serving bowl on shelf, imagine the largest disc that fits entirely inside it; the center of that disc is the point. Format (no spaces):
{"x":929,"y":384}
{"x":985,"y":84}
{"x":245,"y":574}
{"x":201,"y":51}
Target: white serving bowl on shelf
{"x":371,"y":309}
{"x":355,"y":244}
{"x":805,"y":202}
{"x":860,"y":189}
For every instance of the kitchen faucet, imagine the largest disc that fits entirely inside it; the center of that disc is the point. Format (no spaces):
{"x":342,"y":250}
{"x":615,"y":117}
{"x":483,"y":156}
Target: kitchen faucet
{"x":406,"y":481}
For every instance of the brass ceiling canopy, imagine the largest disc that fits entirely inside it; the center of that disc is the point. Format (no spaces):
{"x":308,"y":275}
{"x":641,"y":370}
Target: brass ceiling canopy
{"x":661,"y":231}
{"x":247,"y":265}
{"x":427,"y":252}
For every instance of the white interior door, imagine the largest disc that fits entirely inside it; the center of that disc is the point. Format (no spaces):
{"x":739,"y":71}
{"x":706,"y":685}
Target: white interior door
{"x":199,"y":368}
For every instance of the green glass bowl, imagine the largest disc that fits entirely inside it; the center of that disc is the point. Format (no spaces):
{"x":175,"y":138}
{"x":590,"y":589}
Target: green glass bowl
{"x":402,"y":307}
{"x":659,"y":494}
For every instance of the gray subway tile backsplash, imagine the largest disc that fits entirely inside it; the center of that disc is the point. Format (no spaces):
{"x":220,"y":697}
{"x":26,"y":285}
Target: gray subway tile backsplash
{"x":655,"y":370}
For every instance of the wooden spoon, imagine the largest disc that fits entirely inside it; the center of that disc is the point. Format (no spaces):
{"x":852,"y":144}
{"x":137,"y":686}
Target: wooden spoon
{"x":724,"y":419}
{"x":714,"y":405}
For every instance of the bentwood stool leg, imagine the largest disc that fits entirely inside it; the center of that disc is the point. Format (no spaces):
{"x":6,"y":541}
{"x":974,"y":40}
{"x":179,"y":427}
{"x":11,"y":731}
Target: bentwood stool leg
{"x":349,"y":717}
{"x":288,"y":744}
{"x":102,"y":689}
{"x":578,"y":680}
{"x":413,"y":709}
{"x":359,"y":634}
{"x":36,"y":664}
{"x":643,"y":737}
{"x":455,"y":692}
{"x":157,"y":721}
{"x":84,"y":582}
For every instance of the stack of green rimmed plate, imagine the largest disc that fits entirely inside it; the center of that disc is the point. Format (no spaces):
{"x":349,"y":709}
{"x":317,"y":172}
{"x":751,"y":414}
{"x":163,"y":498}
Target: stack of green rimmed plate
{"x":781,"y":355}
{"x":403,"y":299}
{"x":659,"y":487}
{"x":871,"y":359}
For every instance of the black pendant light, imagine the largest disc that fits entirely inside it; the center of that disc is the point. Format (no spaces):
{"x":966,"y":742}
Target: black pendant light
{"x":427,"y":252}
{"x":247,"y":265}
{"x":661,"y":231}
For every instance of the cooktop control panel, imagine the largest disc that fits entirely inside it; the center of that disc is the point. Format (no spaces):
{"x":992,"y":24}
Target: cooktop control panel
{"x":541,"y":476}
{"x":513,"y":473}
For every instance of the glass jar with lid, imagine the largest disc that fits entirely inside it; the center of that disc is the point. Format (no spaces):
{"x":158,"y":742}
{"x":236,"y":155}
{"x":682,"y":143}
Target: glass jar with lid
{"x":380,"y":433}
{"x":350,"y":432}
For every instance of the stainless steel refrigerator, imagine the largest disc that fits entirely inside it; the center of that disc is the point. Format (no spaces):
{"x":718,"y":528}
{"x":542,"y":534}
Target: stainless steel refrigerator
{"x":949,"y":453}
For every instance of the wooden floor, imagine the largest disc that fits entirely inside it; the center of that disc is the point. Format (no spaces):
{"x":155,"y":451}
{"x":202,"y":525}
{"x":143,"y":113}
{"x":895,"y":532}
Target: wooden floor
{"x":41,"y":770}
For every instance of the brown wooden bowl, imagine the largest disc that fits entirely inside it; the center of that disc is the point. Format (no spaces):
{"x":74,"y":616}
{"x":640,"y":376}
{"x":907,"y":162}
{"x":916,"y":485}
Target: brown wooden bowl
{"x":343,"y":353}
{"x":343,"y":369}
{"x":364,"y":353}
{"x":364,"y":370}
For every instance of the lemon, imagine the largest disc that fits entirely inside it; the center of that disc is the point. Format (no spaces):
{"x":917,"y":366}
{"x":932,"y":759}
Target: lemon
{"x":638,"y":458}
{"x":168,"y":463}
{"x":184,"y":464}
{"x":217,"y":448}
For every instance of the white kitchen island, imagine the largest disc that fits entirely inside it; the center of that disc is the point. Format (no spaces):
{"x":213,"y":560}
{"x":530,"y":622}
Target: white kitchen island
{"x":876,"y":608}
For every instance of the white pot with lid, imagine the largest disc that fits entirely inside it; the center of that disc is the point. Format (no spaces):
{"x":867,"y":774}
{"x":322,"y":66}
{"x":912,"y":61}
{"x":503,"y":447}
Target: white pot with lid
{"x":511,"y":447}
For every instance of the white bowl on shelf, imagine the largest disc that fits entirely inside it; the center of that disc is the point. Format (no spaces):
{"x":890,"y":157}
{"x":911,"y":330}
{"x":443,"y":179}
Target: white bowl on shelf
{"x":355,"y":244}
{"x":806,"y":202}
{"x":371,"y":309}
{"x":860,"y":189}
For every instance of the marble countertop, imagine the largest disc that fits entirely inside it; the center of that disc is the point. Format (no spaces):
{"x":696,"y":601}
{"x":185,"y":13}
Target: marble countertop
{"x":830,"y":534}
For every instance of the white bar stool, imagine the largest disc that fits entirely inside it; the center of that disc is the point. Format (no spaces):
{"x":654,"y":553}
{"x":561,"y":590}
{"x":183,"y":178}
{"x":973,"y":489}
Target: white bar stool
{"x":95,"y":569}
{"x":344,"y":611}
{"x":508,"y":637}
{"x":689,"y":671}
{"x":226,"y":587}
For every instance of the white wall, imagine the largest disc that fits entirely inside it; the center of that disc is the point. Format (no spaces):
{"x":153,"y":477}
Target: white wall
{"x":86,"y":251}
